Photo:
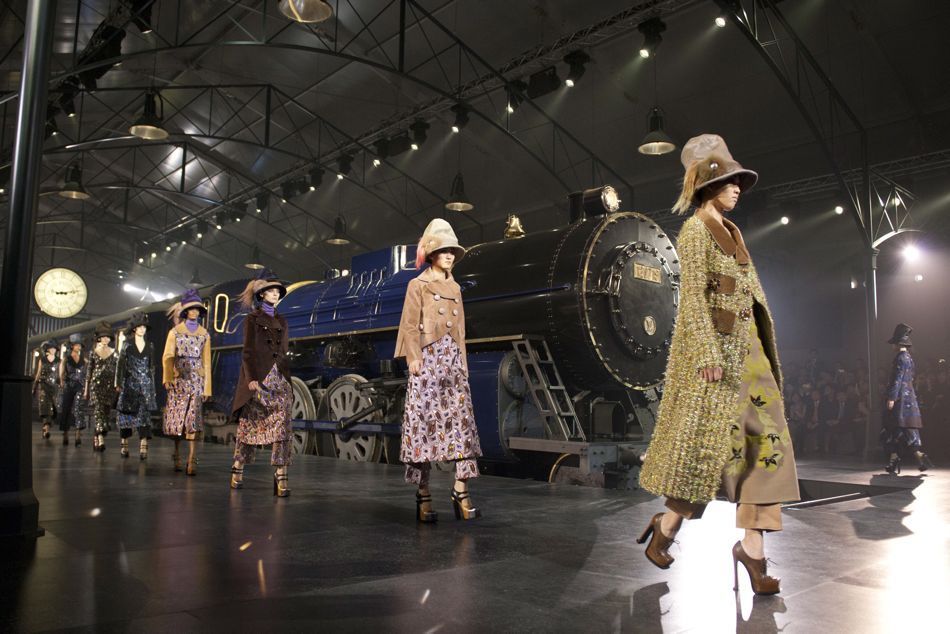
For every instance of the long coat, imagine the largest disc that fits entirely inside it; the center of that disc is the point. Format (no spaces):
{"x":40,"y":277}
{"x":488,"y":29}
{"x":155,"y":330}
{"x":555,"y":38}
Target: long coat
{"x":906,"y":412}
{"x":720,"y":292}
{"x":265,"y":344}
{"x":433,"y":308}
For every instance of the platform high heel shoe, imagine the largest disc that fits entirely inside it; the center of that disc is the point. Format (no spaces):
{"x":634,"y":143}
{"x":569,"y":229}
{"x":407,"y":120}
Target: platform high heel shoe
{"x":143,"y":449}
{"x":425,"y":516}
{"x":237,"y":477}
{"x":461,"y":511}
{"x":923,"y":462}
{"x":46,"y":431}
{"x":894,"y":466}
{"x":658,"y":549}
{"x":762,"y":583}
{"x":281,"y":489}
{"x":124,"y":448}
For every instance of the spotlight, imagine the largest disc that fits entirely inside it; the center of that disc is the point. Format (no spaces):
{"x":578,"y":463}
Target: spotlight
{"x":142,"y":15}
{"x":68,"y":104}
{"x":414,"y":146}
{"x":51,"y":128}
{"x":167,"y":248}
{"x":141,"y":260}
{"x":516,"y":91}
{"x":576,"y":61}
{"x":461,"y":117}
{"x":398,"y":144}
{"x":382,"y":148}
{"x":154,"y":254}
{"x":202,"y":226}
{"x":839,"y":209}
{"x":218,"y":227}
{"x":288,"y":190}
{"x":345,"y":164}
{"x":784,"y":220}
{"x":543,"y":82}
{"x":419,"y":130}
{"x":918,"y":278}
{"x":149,"y":125}
{"x":651,"y":31}
{"x":721,"y":21}
{"x":911,"y":253}
{"x":316,"y":178}
{"x":377,"y":162}
{"x":261,"y":202}
{"x":339,"y":177}
{"x":306,"y":11}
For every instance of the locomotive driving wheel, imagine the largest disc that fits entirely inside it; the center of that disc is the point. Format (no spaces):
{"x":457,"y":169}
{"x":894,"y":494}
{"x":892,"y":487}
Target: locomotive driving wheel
{"x":344,"y":399}
{"x":302,"y":407}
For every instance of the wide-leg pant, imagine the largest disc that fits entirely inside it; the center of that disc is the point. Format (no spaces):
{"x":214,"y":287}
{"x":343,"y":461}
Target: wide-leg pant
{"x":280,"y":453}
{"x":763,"y":517}
{"x":418,"y":472}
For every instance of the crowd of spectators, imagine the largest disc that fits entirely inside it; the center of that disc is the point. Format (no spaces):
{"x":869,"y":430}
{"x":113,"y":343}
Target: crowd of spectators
{"x":826,"y":404}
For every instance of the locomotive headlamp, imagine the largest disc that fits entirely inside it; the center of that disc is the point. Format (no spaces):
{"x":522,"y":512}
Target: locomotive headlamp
{"x":600,"y":200}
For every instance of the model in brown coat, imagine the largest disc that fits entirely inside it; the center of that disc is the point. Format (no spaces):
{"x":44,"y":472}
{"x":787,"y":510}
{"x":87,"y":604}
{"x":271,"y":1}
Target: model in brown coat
{"x":264,"y":395}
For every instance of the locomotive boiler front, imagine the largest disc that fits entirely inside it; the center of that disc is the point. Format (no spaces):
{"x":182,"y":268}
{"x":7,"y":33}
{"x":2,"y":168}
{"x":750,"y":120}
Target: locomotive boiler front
{"x":602,"y":291}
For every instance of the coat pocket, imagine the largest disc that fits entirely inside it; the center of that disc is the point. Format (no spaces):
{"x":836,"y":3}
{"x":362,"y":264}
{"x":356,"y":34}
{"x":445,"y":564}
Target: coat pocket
{"x":721,"y":283}
{"x":724,"y":321}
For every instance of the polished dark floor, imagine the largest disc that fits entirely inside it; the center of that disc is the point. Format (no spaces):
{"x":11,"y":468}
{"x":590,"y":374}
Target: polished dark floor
{"x":134,"y":547}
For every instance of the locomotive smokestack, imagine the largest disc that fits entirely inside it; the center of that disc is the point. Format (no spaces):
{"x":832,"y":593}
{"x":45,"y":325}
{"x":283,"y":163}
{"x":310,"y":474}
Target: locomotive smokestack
{"x":576,"y":200}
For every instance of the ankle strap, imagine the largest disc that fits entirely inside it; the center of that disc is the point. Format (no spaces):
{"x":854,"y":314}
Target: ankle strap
{"x":459,"y":495}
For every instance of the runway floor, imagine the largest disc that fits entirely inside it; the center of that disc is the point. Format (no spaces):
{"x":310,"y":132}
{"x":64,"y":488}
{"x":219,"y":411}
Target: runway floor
{"x":134,"y":547}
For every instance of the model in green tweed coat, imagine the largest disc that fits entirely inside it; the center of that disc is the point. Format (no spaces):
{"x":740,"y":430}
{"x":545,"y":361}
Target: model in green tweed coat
{"x":720,"y":291}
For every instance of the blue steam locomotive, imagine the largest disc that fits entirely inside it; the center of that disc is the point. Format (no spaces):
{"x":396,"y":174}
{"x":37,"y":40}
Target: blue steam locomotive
{"x":568,"y":332}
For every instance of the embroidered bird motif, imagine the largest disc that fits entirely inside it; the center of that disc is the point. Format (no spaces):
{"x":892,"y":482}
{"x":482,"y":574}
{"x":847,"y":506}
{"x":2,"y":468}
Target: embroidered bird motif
{"x":758,"y":401}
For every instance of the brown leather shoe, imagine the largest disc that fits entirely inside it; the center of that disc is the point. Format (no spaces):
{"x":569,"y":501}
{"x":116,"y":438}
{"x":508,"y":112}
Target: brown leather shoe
{"x":658,"y":549}
{"x":762,"y":583}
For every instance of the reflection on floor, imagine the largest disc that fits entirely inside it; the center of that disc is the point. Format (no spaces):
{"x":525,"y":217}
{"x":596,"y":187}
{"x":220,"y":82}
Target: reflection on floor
{"x":132,"y":546}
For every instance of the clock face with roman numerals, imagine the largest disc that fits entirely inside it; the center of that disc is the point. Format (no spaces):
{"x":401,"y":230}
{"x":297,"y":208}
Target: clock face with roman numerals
{"x":60,"y":293}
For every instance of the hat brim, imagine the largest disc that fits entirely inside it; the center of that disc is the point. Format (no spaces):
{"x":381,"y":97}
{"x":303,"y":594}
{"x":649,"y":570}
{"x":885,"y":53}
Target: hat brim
{"x":747,"y":180}
{"x":903,"y":341}
{"x":186,"y":307}
{"x":459,"y":251}
{"x":275,"y":284}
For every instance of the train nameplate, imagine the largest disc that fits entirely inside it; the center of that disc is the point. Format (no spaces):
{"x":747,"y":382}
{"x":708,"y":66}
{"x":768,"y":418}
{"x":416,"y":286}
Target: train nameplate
{"x":647,"y":273}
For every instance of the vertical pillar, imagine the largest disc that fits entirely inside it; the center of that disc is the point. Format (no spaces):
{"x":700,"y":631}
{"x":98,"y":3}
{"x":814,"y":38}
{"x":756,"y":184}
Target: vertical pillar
{"x":874,"y":399}
{"x":19,"y":508}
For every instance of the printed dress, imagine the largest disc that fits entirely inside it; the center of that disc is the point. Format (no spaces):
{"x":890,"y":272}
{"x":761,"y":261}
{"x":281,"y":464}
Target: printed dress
{"x":101,"y":380}
{"x":72,"y":409}
{"x":439,"y":424}
{"x":186,"y":364}
{"x":135,"y":377}
{"x":46,"y":388}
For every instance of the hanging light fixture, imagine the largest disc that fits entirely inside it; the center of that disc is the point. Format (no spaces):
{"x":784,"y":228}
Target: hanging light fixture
{"x":149,"y":125}
{"x":307,"y":11}
{"x":458,"y":201}
{"x":72,"y":186}
{"x":339,"y":232}
{"x":195,"y":279}
{"x":255,"y":262}
{"x":656,"y":142}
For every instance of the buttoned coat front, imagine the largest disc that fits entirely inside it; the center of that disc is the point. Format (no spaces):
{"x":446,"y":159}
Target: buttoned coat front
{"x":265,"y":345}
{"x":432,"y":309}
{"x":906,"y":412}
{"x":720,"y":293}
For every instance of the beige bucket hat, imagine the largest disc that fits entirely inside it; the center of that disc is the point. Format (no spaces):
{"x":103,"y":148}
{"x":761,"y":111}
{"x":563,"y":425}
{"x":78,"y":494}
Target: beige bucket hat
{"x":707,"y":161}
{"x":437,"y":236}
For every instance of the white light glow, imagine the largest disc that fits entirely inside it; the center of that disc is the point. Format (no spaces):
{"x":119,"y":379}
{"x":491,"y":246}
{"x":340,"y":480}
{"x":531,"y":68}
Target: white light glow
{"x":720,"y":22}
{"x":129,"y":288}
{"x":644,"y":53}
{"x":839,"y":210}
{"x":168,"y":248}
{"x":510,"y":109}
{"x":918,"y":278}
{"x":141,"y":260}
{"x":339,"y":177}
{"x":911,"y":253}
{"x":199,"y":234}
{"x":569,"y":83}
{"x":415,"y":146}
{"x":218,"y":227}
{"x":377,"y":162}
{"x":455,"y":129}
{"x":154,"y":254}
{"x":785,"y":220}
{"x":169,"y":295}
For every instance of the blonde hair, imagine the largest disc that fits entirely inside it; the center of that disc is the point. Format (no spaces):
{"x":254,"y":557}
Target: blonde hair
{"x":246,"y":297}
{"x":174,"y":313}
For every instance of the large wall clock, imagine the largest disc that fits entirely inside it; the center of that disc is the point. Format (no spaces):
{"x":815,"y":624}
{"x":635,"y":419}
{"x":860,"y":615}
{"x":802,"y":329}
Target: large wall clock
{"x":60,"y":292}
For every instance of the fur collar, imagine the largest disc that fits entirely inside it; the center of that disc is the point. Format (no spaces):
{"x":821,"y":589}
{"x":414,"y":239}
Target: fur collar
{"x":727,"y":236}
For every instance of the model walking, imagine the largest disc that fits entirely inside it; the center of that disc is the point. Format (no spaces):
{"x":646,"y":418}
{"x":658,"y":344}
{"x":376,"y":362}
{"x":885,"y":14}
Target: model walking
{"x":45,"y":384}
{"x":135,"y":382}
{"x":100,"y":384}
{"x":186,"y":375}
{"x":71,"y":413}
{"x":438,"y":424}
{"x":721,"y":423}
{"x":902,"y":422}
{"x":264,"y":396}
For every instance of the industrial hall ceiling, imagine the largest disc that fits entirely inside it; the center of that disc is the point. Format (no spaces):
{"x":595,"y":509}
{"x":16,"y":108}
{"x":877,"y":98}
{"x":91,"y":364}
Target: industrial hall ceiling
{"x":188,"y":137}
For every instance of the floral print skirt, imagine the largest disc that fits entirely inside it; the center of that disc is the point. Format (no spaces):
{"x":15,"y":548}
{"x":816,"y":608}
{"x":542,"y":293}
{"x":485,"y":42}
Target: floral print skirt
{"x":761,"y":466}
{"x":265,"y":418}
{"x":439,"y":424}
{"x":183,"y":413}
